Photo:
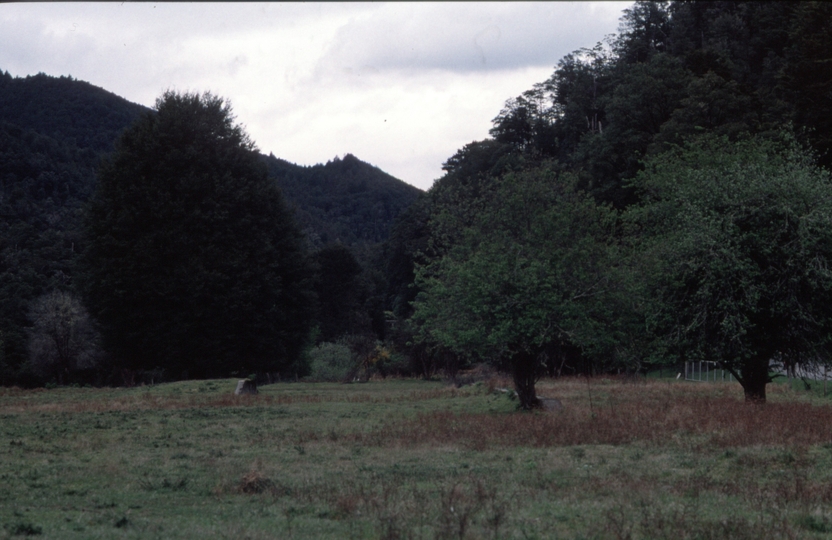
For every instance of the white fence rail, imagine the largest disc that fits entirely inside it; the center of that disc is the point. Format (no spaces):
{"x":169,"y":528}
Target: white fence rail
{"x":706,"y":371}
{"x":812,"y":372}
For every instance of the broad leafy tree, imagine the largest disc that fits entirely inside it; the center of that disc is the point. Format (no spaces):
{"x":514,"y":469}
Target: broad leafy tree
{"x":736,"y":246}
{"x":678,"y":70}
{"x":529,"y":271}
{"x":194,"y":264}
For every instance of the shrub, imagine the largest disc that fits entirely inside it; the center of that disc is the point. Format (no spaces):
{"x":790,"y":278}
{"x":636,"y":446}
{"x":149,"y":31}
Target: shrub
{"x":62,"y":339}
{"x":331,"y":362}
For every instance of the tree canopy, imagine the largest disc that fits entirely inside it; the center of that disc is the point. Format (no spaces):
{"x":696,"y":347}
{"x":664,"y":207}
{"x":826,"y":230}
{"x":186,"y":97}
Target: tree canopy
{"x":638,"y":206}
{"x":716,"y":235}
{"x":53,"y":135}
{"x":524,"y":274}
{"x":739,"y":238}
{"x":193,"y":262}
{"x":344,"y":201}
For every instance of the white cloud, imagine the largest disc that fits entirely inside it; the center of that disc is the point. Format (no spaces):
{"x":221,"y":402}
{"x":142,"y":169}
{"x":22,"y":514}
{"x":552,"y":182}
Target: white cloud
{"x":400,"y":85}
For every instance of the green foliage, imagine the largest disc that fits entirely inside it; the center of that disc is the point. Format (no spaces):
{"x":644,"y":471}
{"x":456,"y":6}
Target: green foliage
{"x":341,"y":293}
{"x":677,"y":70}
{"x":645,"y":31}
{"x":331,"y":362}
{"x":529,"y":271}
{"x":408,"y":241}
{"x":431,"y":225}
{"x":637,"y":106}
{"x":344,"y":201}
{"x":807,"y":76}
{"x":67,"y":110}
{"x":737,"y":238}
{"x":194,"y":263}
{"x":43,"y":183}
{"x":52,"y":134}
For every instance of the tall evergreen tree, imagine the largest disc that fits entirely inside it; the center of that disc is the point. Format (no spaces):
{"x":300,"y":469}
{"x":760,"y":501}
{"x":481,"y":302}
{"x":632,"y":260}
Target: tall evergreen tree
{"x":339,"y":291}
{"x":194,"y":263}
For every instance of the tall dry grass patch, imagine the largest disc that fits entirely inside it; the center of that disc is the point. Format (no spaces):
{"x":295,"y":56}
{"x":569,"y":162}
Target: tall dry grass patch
{"x":597,"y":411}
{"x":620,"y":413}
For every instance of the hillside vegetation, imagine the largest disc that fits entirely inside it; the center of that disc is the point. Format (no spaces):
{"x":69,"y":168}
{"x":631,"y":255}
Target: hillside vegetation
{"x":663,"y":196}
{"x":343,"y":201}
{"x":54,"y":132}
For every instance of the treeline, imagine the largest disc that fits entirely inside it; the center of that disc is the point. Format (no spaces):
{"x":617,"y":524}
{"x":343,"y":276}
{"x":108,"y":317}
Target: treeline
{"x":662,"y":197}
{"x":52,"y":134}
{"x":55,"y":133}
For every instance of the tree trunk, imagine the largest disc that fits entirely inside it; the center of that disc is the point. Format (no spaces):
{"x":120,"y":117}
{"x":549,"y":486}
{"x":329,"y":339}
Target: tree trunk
{"x":525,"y":374}
{"x":755,"y":377}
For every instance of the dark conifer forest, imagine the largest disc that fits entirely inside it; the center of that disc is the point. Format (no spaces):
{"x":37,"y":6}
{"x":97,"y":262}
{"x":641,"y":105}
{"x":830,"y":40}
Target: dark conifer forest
{"x":663,"y":196}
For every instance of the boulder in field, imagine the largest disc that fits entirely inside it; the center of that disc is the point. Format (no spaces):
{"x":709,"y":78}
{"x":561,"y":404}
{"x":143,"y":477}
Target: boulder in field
{"x":245,"y":386}
{"x":551,"y":404}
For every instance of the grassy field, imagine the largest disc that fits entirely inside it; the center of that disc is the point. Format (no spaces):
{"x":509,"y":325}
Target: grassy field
{"x":413,"y":459}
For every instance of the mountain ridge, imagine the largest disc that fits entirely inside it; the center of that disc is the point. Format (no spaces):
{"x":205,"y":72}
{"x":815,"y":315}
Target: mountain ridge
{"x":76,"y":114}
{"x":345,"y":200}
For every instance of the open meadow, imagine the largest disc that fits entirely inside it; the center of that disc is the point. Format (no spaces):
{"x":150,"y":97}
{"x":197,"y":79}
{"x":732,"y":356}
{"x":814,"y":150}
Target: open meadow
{"x":415,"y":459}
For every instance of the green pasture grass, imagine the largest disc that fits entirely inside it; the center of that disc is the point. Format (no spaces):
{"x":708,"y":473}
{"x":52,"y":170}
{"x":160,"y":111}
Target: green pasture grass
{"x":797,"y":389}
{"x":414,"y":459}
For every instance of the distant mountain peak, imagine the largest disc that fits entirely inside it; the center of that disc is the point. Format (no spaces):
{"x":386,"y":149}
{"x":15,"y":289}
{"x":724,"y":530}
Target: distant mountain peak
{"x":345,"y":199}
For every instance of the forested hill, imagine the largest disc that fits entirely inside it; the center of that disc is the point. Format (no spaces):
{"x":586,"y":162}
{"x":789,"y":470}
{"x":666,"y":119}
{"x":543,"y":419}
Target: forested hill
{"x":60,"y":119}
{"x":346,"y":201}
{"x":54,"y":132}
{"x":65,"y":109}
{"x":662,"y":196}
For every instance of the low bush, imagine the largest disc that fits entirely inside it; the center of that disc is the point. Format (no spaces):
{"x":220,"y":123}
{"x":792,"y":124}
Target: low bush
{"x":332,"y":362}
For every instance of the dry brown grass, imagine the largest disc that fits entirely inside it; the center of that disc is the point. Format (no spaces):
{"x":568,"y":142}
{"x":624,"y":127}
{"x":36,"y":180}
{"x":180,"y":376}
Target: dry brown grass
{"x":597,"y":411}
{"x":408,"y":459}
{"x":619,"y":412}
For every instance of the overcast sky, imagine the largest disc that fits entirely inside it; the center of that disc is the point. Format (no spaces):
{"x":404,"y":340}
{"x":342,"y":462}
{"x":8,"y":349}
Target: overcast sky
{"x":401,"y":86}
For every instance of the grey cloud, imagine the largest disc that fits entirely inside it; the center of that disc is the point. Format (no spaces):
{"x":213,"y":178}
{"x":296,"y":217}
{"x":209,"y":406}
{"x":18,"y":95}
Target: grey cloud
{"x":169,"y":21}
{"x":467,"y":36}
{"x":402,"y":85}
{"x":24,"y":44}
